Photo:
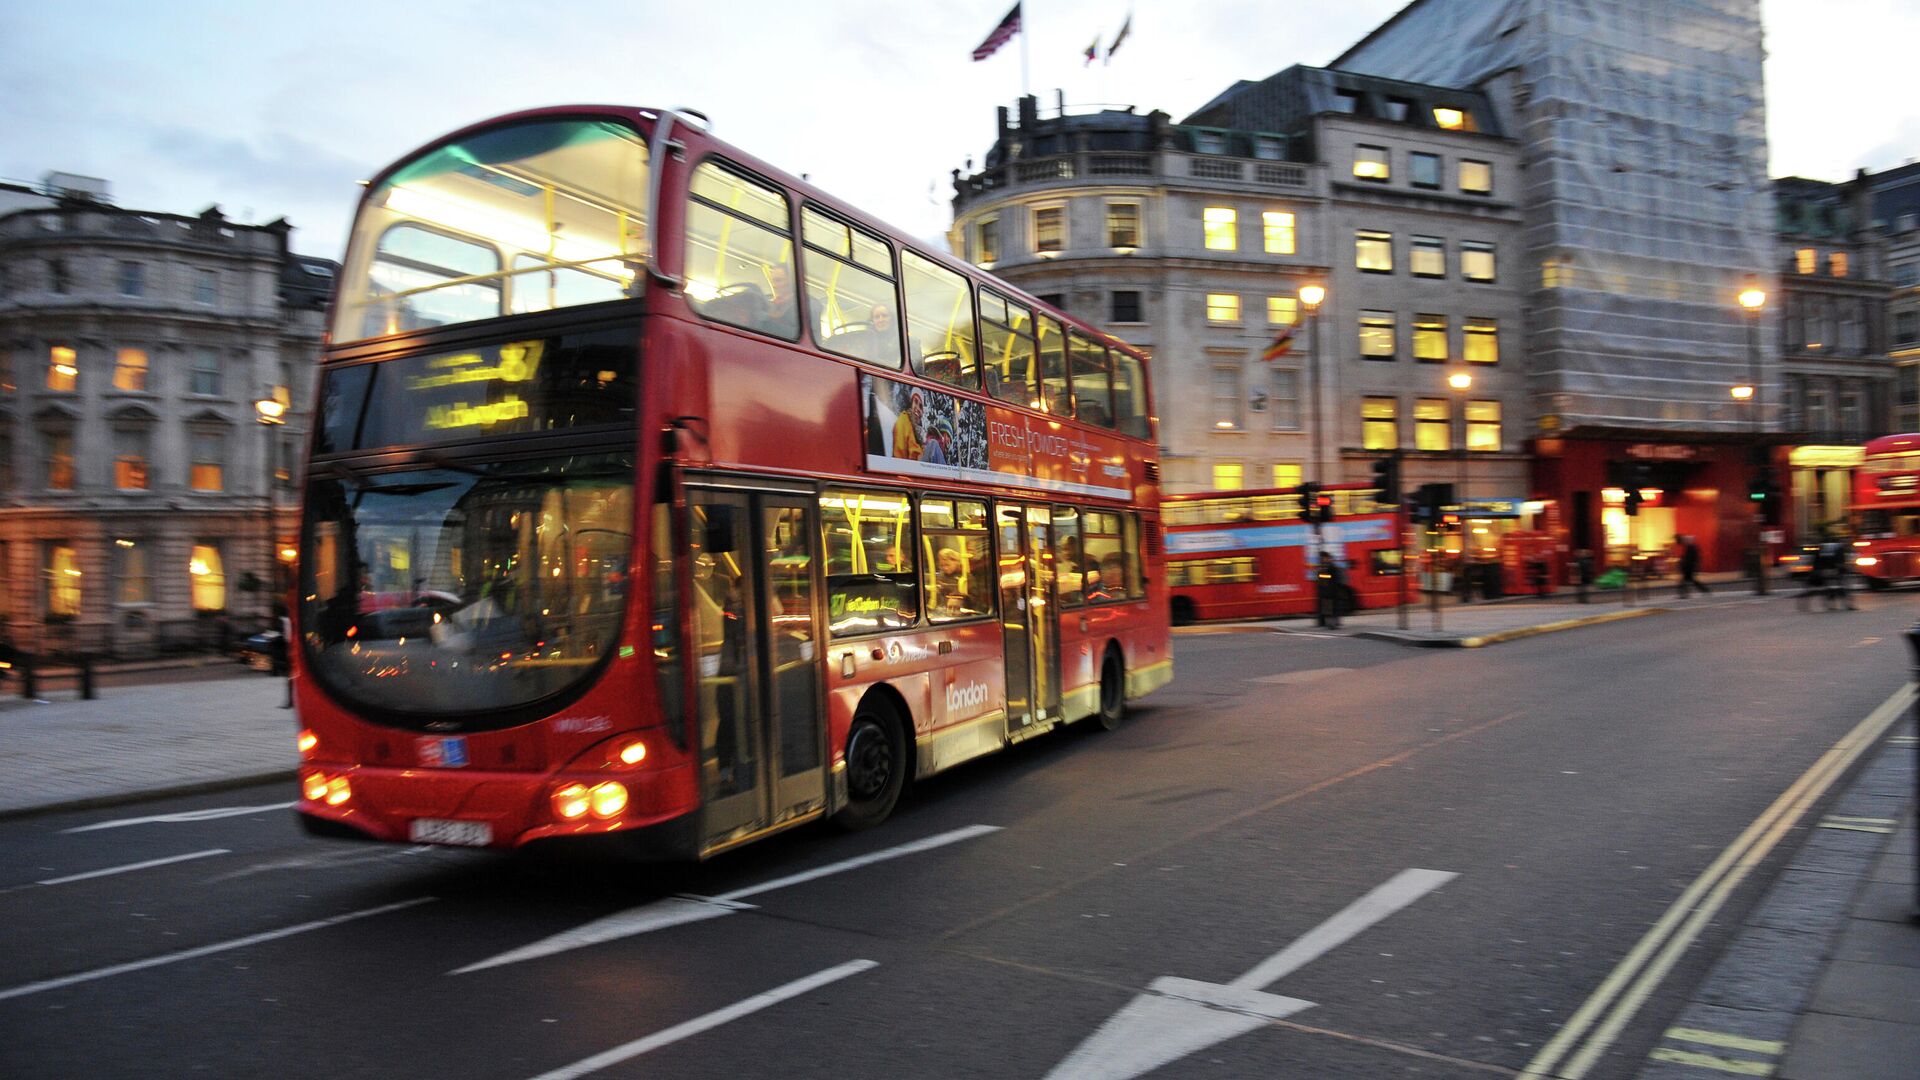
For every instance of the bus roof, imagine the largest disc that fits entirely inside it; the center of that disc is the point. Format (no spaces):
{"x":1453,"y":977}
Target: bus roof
{"x":697,"y":135}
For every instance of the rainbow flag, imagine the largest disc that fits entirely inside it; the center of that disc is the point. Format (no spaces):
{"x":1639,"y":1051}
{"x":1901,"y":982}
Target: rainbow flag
{"x":1282,"y":344}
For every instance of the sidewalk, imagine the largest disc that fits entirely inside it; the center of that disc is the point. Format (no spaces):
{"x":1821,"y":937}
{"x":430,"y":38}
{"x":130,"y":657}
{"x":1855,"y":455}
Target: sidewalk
{"x":142,"y":742}
{"x":1462,"y":626}
{"x":1822,"y":980}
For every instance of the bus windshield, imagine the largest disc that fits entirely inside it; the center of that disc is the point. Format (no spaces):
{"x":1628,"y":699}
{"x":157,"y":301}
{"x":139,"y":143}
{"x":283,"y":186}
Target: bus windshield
{"x":468,"y":589}
{"x":528,"y":217}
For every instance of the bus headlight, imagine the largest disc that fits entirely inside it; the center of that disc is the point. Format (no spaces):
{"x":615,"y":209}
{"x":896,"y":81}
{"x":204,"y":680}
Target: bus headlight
{"x":307,"y":742}
{"x":609,"y":798}
{"x":338,"y":791}
{"x":314,"y":786}
{"x":1866,"y":560}
{"x":570,"y":801}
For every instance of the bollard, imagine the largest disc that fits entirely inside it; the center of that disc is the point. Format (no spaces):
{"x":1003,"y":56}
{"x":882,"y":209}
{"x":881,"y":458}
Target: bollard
{"x":86,"y":678}
{"x":1913,"y":646}
{"x":29,"y":680}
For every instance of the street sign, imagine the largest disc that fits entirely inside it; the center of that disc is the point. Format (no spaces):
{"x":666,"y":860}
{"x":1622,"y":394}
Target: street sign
{"x":1772,"y":536}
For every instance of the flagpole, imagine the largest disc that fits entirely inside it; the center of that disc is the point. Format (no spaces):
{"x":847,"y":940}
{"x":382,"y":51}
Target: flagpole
{"x":1025,"y":83}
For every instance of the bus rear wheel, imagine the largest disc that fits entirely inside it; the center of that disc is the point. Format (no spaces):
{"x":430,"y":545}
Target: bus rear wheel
{"x":1113,"y":692}
{"x":876,"y":766}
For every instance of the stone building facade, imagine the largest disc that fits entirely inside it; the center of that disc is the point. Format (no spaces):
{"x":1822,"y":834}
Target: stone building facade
{"x":144,"y":503}
{"x":1193,"y":241}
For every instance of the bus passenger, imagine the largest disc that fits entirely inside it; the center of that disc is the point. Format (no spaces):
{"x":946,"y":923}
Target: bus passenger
{"x":949,"y":571}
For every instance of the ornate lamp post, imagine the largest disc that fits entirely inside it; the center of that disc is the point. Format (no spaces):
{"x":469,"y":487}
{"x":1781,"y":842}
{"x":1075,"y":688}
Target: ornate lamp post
{"x":1311,"y":297}
{"x":1753,"y":301}
{"x":271,"y":412}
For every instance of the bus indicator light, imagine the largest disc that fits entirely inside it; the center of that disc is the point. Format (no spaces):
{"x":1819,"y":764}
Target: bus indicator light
{"x":608,"y":798}
{"x":570,"y":801}
{"x":314,"y":787}
{"x":633,"y":753}
{"x":307,"y":742}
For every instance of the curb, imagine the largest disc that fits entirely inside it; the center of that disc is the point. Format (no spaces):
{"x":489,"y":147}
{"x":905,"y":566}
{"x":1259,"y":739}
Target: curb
{"x":1481,"y":640}
{"x":120,"y":798}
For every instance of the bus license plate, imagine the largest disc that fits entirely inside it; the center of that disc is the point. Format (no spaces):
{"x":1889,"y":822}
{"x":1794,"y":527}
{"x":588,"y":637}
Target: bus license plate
{"x":441,"y":831}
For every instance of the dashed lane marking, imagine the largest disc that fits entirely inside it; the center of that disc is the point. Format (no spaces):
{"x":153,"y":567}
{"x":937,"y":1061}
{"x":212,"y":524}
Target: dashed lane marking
{"x":129,"y":868}
{"x":711,"y":1020}
{"x":183,"y":816}
{"x":1859,"y":824}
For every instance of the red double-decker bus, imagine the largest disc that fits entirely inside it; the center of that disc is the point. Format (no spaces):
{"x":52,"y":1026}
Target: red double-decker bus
{"x":657,"y":497}
{"x":1248,"y":555}
{"x":1886,"y":511}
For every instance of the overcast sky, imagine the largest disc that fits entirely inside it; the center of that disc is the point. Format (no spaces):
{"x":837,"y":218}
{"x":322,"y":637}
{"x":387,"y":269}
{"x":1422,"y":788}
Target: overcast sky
{"x":276,"y":110}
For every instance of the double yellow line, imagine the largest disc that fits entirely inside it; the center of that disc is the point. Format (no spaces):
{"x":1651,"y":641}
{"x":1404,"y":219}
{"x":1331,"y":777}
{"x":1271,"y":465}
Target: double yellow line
{"x":1599,"y":1021}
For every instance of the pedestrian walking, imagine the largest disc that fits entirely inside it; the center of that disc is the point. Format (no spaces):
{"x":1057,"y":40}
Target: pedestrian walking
{"x":1583,"y":572}
{"x":278,"y":652}
{"x":1690,"y":566}
{"x":1838,"y":556}
{"x":1330,"y":587}
{"x":1814,"y":582}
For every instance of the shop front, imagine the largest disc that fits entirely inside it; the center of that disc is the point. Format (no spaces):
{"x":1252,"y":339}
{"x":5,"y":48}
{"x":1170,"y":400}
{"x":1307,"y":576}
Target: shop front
{"x":1627,"y":498}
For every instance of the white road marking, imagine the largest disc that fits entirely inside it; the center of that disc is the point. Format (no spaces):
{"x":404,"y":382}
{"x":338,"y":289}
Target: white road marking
{"x":205,"y":950}
{"x":1178,"y":1017}
{"x":680,"y":910}
{"x":185,"y":815}
{"x":1301,"y":678}
{"x":711,"y":1020}
{"x":150,"y":863}
{"x":1600,"y":1019}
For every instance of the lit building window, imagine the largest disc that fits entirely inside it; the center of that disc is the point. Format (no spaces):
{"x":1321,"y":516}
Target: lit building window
{"x":130,"y":460}
{"x":1476,"y":261}
{"x":1483,"y":426}
{"x":1476,"y":177}
{"x":130,"y":370}
{"x":63,"y":369}
{"x":1050,"y":228}
{"x":1379,"y":423}
{"x":1278,"y":228}
{"x":1806,"y":260}
{"x":1423,"y":170}
{"x":1430,"y":338}
{"x":1288,"y":474}
{"x":208,"y":577}
{"x":208,"y":469}
{"x":1123,"y":225}
{"x":1221,"y":224}
{"x":63,"y":578}
{"x":1427,"y":257}
{"x":1432,"y":421}
{"x":1371,"y":163}
{"x":60,"y":461}
{"x":1223,"y":307}
{"x":1482,"y":344}
{"x":1283,"y":311}
{"x":1837,"y":264}
{"x":1377,"y":331}
{"x":1373,"y":251}
{"x":1452,"y":119}
{"x":1229,"y":476}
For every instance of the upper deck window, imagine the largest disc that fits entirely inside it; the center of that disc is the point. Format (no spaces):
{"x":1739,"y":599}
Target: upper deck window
{"x":850,"y":291}
{"x":939,"y":321}
{"x":739,"y":261}
{"x":525,"y":217}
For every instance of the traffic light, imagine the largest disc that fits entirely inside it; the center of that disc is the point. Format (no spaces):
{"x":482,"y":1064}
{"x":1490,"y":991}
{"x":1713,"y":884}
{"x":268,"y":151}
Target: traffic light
{"x":1322,"y":507}
{"x":1429,"y":501}
{"x":1386,"y":477}
{"x":1309,"y":493}
{"x":1764,"y":492}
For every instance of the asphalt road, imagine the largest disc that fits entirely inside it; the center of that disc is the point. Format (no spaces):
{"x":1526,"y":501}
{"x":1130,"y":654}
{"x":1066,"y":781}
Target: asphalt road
{"x":1555,"y":795}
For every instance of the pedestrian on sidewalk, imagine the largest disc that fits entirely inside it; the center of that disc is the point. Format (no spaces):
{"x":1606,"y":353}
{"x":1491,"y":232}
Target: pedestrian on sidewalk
{"x":1690,"y":566}
{"x":1330,"y":585}
{"x":1814,"y":581}
{"x":279,"y":653}
{"x":1583,"y":572}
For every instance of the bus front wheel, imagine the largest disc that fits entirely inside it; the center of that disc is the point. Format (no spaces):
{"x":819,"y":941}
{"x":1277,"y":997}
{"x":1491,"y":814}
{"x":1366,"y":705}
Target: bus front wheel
{"x":876,"y":766}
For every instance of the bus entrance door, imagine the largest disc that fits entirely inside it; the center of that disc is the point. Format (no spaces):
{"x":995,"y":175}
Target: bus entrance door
{"x":1032,"y":643}
{"x":757,"y":627}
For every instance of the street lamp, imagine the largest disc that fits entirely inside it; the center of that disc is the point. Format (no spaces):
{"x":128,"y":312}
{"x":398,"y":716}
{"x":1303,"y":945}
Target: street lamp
{"x":1753,"y":300}
{"x":1311,"y":297}
{"x":271,"y":412}
{"x":1461,"y":382}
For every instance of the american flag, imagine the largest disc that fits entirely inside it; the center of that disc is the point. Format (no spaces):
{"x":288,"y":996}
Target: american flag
{"x":1002,"y":34}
